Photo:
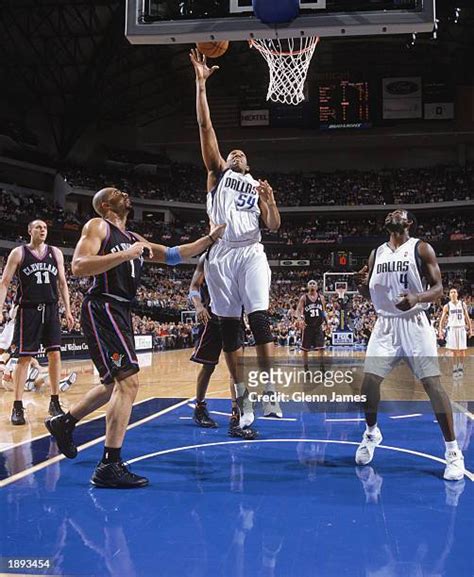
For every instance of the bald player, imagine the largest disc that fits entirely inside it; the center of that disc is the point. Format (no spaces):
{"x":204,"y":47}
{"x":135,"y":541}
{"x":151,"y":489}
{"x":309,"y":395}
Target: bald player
{"x":41,"y":279}
{"x":114,"y":257}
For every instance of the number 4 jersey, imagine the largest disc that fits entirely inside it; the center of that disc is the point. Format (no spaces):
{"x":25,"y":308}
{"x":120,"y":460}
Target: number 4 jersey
{"x":38,"y":277}
{"x":396,"y":272}
{"x":234,"y":201}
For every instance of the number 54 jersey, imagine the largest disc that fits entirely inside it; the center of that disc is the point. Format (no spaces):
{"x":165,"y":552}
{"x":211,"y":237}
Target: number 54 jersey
{"x":396,"y":272}
{"x":234,"y":201}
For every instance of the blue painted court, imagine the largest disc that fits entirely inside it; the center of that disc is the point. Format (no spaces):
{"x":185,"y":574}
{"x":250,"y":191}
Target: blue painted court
{"x":292,"y":504}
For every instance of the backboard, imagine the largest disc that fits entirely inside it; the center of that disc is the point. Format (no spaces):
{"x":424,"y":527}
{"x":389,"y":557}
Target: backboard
{"x":187,"y":21}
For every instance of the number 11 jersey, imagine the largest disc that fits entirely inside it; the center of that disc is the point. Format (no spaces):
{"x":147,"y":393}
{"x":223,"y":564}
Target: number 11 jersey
{"x":38,"y":277}
{"x":234,"y":202}
{"x":396,"y":272}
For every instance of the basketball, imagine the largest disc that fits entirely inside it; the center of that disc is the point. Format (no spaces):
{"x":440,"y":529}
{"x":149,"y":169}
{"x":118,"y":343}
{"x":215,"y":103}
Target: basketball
{"x":213,"y":49}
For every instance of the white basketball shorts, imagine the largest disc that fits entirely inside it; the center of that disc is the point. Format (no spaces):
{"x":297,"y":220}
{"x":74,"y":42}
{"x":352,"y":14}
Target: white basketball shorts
{"x":456,"y":338}
{"x":237,"y":277}
{"x":410,"y":338}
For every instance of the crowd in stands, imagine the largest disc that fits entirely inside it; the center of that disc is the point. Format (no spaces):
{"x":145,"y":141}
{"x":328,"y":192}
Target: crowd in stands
{"x":17,"y":209}
{"x":165,"y":292}
{"x":186,"y":183}
{"x":21,"y":207}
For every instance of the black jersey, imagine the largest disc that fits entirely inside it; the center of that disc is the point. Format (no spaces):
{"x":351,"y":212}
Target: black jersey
{"x":313,"y":311}
{"x":122,"y":281}
{"x":38,"y":277}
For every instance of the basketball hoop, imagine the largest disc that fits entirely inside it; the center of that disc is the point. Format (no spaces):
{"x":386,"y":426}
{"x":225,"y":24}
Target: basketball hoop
{"x":288,"y":61}
{"x":341,"y":289}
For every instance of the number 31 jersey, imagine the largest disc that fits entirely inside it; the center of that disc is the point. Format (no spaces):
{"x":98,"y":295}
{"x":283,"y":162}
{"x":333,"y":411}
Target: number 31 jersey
{"x":38,"y":277}
{"x":234,"y":202}
{"x":396,"y":272}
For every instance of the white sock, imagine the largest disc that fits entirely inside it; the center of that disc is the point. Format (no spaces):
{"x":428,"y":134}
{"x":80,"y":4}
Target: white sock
{"x":451,"y":446}
{"x":239,"y":389}
{"x":371,"y":429}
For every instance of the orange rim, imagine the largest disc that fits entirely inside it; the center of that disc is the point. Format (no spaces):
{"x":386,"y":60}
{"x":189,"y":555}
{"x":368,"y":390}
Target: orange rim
{"x":264,"y":49}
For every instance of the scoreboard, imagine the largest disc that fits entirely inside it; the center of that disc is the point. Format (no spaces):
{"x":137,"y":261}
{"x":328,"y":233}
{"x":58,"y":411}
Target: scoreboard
{"x":344,"y":103}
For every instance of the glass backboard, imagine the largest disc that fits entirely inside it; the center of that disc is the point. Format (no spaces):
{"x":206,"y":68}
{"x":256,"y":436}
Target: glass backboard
{"x":187,"y":21}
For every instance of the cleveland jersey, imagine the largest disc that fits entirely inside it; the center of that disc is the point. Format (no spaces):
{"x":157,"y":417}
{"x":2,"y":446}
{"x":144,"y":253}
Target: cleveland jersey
{"x":396,"y":272}
{"x":313,"y":311}
{"x":456,"y":315}
{"x":234,"y":202}
{"x":122,"y":281}
{"x":38,"y":277}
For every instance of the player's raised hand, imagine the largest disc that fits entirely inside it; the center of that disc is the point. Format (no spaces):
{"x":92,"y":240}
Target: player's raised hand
{"x":201,"y":68}
{"x":139,"y":249}
{"x":216,"y":230}
{"x":407,"y":301}
{"x":362,"y":277}
{"x":265,"y":191}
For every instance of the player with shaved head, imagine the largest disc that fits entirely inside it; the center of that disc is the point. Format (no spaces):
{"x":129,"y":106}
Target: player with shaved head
{"x":114,"y":257}
{"x":41,"y":279}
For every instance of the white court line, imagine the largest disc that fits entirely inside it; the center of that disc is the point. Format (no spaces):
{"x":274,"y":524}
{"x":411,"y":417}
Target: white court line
{"x":83,"y":422}
{"x":406,"y":416}
{"x":185,"y":418}
{"x":290,"y":419}
{"x":353,"y":420}
{"x":468,"y":474}
{"x":58,"y":458}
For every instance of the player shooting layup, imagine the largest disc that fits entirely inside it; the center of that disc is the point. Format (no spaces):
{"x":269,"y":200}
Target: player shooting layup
{"x":236,"y":270}
{"x":456,"y":334}
{"x":396,"y":281}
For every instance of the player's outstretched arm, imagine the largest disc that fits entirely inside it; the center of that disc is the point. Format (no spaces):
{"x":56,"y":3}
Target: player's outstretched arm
{"x":209,"y":145}
{"x":176,"y":254}
{"x":13,"y":262}
{"x":63,"y":288}
{"x":87,"y":261}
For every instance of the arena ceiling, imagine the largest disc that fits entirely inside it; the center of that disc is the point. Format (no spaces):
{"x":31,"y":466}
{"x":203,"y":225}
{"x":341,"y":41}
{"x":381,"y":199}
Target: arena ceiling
{"x":68,"y":61}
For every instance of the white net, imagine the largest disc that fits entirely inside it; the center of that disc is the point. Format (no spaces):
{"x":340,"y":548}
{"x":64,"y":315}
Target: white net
{"x":288,"y":61}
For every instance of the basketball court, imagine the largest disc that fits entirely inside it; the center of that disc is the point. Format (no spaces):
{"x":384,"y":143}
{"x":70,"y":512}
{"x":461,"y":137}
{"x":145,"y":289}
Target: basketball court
{"x":285,"y":504}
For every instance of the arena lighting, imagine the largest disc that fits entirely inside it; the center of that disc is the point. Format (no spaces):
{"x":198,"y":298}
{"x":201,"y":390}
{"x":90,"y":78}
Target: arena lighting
{"x":457,"y":15}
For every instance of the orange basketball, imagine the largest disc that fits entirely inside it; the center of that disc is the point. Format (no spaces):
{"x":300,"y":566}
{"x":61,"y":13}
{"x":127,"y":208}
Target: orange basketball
{"x":213,"y":49}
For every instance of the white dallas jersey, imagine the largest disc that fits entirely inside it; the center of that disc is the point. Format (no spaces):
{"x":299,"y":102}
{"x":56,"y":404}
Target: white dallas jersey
{"x":455,"y":315}
{"x":234,"y":202}
{"x":396,"y":272}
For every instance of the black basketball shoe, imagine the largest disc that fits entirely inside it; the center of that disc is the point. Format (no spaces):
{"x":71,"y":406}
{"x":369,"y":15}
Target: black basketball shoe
{"x":63,"y":435}
{"x":18,"y":416}
{"x":55,"y":408}
{"x":202,"y":417}
{"x":116,"y":476}
{"x":236,"y":431}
